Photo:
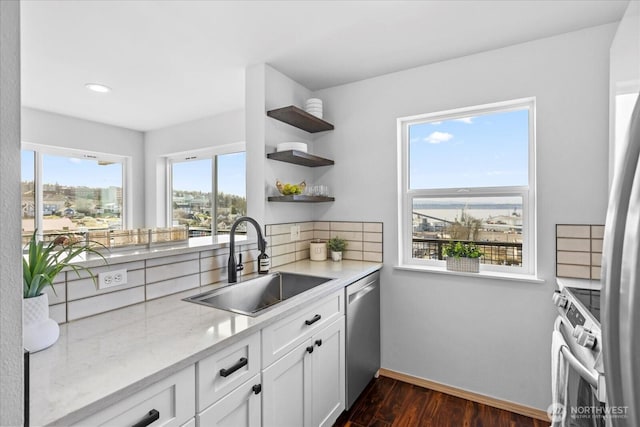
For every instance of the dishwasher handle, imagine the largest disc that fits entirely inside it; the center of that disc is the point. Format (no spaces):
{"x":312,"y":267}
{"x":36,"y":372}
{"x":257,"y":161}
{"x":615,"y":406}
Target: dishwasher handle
{"x":363,"y":291}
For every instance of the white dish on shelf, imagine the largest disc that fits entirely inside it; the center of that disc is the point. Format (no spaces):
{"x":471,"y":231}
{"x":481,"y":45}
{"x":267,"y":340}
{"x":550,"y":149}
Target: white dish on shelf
{"x":284,"y":146}
{"x":318,"y":114}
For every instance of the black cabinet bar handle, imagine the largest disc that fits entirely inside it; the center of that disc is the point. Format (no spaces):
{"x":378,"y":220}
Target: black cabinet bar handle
{"x":257,"y":388}
{"x":310,"y":349}
{"x":318,"y":343}
{"x":314,"y":320}
{"x":226,"y":372}
{"x":152,"y":416}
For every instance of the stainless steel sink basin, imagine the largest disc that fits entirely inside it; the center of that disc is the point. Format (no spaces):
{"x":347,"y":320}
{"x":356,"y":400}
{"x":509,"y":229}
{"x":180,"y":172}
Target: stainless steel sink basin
{"x":256,"y":295}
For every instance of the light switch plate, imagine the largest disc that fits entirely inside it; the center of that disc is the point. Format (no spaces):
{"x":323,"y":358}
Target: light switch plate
{"x":295,"y":232}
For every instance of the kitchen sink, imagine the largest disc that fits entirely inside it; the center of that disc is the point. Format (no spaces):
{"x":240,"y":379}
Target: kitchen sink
{"x":253,"y":296}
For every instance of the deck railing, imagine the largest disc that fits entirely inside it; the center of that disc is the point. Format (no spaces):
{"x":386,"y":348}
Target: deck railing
{"x":497,"y":253}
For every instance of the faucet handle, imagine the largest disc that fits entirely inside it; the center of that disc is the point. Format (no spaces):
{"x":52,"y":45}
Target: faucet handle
{"x":240,"y":265}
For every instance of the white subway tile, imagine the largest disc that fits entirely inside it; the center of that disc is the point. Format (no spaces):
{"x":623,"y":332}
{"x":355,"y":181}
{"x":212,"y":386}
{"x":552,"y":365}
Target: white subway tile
{"x":573,"y":231}
{"x":596,"y":245}
{"x":60,"y":294}
{"x":213,"y":276}
{"x":372,"y":256}
{"x":372,"y":237}
{"x":171,"y":286}
{"x":172,"y":259}
{"x":577,"y":245}
{"x":58,"y":312}
{"x":347,"y":235}
{"x":353,"y":255}
{"x":277,"y":261}
{"x":101,"y":303}
{"x":170,"y":271}
{"x":372,"y":227}
{"x":576,"y":271}
{"x":578,"y":258}
{"x":346,"y":226}
{"x":211,"y":263}
{"x":597,"y":231}
{"x":322,"y":234}
{"x":322,"y":225}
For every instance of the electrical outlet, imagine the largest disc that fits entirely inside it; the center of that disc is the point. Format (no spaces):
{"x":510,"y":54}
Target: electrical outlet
{"x":109,"y":279}
{"x":295,"y":232}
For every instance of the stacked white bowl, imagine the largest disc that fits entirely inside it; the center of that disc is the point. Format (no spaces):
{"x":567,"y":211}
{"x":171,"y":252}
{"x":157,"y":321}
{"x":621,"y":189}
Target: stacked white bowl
{"x":314,"y":106}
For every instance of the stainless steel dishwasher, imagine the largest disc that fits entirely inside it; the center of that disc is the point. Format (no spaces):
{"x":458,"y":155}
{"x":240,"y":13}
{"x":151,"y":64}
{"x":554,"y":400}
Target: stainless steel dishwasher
{"x":363,"y":334}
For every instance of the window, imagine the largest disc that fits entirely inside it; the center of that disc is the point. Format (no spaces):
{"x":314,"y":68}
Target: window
{"x":469,"y":175}
{"x":194,"y":178}
{"x":65,"y":190}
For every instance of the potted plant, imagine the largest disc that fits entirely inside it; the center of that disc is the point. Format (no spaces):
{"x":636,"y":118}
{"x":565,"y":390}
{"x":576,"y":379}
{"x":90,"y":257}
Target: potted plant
{"x":40,"y":265}
{"x":336,"y":245}
{"x":462,"y":256}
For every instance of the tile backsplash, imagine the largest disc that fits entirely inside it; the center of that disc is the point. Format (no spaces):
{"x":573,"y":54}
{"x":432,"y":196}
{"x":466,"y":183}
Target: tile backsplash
{"x":364,"y":240}
{"x":579,"y":250}
{"x":76,"y":296}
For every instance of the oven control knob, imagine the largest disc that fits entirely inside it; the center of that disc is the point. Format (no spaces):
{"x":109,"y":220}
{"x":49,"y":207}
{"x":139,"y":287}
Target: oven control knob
{"x":559,"y":300}
{"x":584,"y":337}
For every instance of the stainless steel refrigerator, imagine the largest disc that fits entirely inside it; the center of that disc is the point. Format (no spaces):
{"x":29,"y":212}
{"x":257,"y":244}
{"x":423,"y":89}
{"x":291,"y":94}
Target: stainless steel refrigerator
{"x":620,"y":297}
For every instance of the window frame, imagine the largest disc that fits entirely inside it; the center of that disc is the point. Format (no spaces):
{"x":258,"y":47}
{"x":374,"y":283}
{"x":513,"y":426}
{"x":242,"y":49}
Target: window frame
{"x":41,"y":150}
{"x":192,"y":155}
{"x":406,"y":195}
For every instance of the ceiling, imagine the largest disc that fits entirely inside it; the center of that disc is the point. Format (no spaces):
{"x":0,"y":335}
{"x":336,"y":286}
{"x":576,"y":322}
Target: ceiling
{"x":173,"y":61}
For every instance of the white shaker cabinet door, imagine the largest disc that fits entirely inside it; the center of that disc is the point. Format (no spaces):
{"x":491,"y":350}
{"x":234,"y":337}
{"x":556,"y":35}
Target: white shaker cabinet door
{"x":287,"y":389}
{"x":328,"y":374}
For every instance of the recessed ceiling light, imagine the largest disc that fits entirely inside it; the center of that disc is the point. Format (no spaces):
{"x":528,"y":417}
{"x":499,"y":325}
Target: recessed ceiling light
{"x":96,"y":87}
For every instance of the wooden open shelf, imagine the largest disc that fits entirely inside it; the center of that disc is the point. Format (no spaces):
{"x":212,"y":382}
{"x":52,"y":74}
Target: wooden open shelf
{"x":301,"y":198}
{"x":299,"y":118}
{"x":300,"y":158}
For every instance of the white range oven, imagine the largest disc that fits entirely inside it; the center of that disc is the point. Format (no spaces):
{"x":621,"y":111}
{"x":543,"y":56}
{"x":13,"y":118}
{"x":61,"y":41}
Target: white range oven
{"x":577,"y":367}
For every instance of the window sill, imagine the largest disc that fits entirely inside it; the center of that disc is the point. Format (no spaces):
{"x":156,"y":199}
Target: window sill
{"x":482,"y":274}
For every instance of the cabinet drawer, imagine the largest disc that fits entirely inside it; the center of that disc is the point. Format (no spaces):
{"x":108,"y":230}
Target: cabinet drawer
{"x":240,"y":408}
{"x":281,"y":337}
{"x":173,"y":398}
{"x":225,"y":370}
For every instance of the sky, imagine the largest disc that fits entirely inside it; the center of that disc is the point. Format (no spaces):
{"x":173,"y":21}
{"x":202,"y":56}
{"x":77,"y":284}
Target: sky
{"x":190,"y":176}
{"x":196,"y":175}
{"x":481,"y":151}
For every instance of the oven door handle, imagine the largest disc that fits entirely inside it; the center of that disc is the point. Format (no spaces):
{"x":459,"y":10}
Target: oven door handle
{"x":577,"y":366}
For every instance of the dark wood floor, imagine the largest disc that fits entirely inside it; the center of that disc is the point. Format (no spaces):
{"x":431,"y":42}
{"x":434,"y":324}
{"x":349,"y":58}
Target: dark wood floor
{"x":387,"y":402}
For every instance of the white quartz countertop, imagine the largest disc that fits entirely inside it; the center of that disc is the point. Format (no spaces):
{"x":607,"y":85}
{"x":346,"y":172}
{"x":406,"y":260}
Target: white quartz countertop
{"x":101,"y":359}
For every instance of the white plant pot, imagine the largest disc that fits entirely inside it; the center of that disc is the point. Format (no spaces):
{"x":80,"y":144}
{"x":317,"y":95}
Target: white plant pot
{"x":336,"y":256}
{"x":38,"y":330}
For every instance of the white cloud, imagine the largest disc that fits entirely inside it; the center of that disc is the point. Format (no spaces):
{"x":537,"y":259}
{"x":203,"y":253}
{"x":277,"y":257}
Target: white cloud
{"x":438,"y":137}
{"x":467,"y":120}
{"x":436,"y":123}
{"x":75,"y":160}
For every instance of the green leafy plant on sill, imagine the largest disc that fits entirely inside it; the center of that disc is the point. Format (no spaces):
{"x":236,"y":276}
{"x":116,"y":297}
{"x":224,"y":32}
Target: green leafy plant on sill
{"x":44,"y":260}
{"x":336,"y":244}
{"x":461,"y":250}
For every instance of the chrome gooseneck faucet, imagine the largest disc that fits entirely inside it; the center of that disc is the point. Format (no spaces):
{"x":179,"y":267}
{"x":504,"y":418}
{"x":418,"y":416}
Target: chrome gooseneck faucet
{"x":232,"y":267}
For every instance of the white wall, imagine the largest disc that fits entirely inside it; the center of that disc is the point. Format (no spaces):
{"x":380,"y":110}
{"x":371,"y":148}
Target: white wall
{"x":11,"y":368}
{"x":222,"y":129}
{"x":268,"y":89}
{"x":487,"y":336}
{"x":43,"y":127}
